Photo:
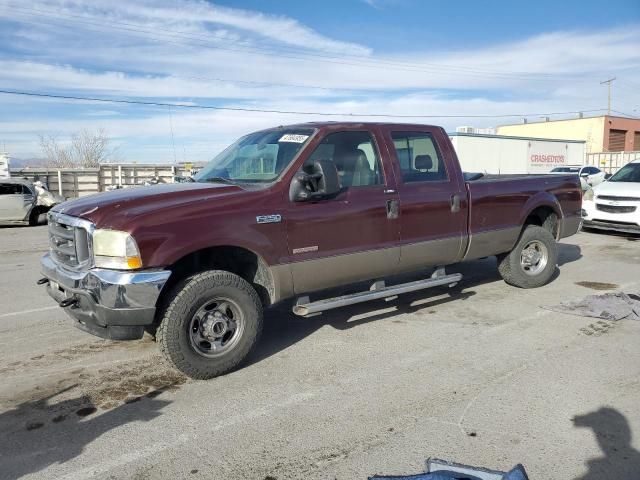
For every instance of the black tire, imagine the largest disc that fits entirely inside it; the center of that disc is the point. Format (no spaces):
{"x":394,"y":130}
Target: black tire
{"x":34,"y":217}
{"x":152,"y":331}
{"x":511,"y":267}
{"x":174,"y":334}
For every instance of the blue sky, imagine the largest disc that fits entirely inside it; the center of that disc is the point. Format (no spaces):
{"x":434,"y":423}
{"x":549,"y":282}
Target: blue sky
{"x":401,"y":57}
{"x":391,"y":25}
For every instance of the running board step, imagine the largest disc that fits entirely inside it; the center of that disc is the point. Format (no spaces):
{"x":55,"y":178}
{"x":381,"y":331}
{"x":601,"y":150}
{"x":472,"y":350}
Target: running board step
{"x":305,"y":308}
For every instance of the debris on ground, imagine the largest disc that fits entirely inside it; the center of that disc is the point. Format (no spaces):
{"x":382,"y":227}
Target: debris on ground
{"x":444,"y":470}
{"x":609,"y":306}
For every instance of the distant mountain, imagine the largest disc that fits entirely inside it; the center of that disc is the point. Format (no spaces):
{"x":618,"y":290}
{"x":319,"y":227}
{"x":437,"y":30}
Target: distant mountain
{"x":27,"y":162}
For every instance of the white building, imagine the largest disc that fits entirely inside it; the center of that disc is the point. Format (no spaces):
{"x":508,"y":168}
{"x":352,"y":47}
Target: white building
{"x":4,"y":165}
{"x":499,"y":154}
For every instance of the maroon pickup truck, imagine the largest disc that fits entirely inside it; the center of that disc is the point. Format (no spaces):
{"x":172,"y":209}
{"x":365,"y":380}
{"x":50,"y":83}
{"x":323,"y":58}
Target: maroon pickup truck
{"x":288,"y":213}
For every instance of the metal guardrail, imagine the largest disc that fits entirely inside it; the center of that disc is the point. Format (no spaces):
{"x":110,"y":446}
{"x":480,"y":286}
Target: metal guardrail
{"x":79,"y":182}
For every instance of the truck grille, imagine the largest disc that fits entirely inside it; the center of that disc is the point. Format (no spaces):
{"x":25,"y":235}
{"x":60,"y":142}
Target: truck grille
{"x":69,"y":241}
{"x":615,"y":208}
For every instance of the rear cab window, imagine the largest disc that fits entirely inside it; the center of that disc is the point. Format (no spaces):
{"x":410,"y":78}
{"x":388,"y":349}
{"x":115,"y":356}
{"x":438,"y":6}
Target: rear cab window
{"x":419,"y":158}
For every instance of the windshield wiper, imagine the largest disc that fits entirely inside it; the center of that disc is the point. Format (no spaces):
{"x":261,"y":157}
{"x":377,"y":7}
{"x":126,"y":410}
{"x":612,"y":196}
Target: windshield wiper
{"x":220,"y":180}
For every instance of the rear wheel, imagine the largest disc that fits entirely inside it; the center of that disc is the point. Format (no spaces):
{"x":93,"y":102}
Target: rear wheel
{"x":532,"y":262}
{"x":211,"y":324}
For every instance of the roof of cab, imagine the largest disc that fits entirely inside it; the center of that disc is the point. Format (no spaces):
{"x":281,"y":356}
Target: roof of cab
{"x":340,"y":124}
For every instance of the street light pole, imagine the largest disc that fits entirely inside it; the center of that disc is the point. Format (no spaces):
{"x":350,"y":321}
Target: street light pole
{"x":608,"y":82}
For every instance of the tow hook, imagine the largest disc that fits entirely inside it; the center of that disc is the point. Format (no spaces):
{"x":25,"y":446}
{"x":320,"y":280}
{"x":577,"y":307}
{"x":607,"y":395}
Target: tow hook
{"x":42,"y":281}
{"x":68,"y":302}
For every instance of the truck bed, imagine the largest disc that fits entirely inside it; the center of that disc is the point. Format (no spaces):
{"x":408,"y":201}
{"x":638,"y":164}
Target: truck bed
{"x":497,"y":203}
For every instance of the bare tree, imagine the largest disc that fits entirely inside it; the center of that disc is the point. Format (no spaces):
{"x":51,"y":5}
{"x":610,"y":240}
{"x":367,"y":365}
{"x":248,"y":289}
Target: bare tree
{"x":86,"y":149}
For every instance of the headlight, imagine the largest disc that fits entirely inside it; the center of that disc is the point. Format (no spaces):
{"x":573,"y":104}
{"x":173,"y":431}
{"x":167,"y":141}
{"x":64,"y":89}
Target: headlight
{"x":113,"y":249}
{"x":587,"y":196}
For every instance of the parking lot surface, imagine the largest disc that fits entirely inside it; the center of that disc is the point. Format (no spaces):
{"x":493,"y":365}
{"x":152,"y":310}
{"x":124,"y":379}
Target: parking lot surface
{"x":481,"y":375}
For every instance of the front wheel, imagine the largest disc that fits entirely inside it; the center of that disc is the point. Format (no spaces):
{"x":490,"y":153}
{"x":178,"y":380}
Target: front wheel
{"x":211,"y":324}
{"x":532,"y":262}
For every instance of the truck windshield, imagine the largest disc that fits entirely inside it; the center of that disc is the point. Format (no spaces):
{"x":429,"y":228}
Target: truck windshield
{"x":629,"y":173}
{"x":259,"y":157}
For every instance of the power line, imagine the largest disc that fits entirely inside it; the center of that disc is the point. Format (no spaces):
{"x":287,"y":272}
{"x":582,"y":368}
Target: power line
{"x":261,"y":110}
{"x":173,"y":141}
{"x":626,"y":114}
{"x":630,"y":83}
{"x":233,"y":80}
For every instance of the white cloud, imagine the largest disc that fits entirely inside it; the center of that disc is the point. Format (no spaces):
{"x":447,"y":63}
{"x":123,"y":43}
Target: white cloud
{"x":189,"y":18}
{"x":200,"y":134}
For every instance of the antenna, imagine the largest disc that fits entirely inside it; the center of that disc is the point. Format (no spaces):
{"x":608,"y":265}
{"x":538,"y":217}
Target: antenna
{"x":608,"y":82}
{"x":173,"y":142}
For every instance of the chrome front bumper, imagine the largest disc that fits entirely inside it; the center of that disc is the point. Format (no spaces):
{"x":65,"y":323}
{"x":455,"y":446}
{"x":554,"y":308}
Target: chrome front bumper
{"x":107,"y":303}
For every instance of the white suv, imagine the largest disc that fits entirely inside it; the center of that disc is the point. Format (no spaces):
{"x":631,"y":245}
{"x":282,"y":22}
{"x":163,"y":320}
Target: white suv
{"x":615,"y":204}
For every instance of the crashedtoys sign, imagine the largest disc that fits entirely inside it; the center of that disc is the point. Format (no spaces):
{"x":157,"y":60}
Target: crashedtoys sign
{"x":543,"y":156}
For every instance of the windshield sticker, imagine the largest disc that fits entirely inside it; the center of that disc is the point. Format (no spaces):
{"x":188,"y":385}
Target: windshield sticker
{"x":293,"y":138}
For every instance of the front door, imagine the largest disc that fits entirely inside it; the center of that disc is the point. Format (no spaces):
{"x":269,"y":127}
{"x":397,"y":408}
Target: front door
{"x":15,"y":201}
{"x":353,"y":236}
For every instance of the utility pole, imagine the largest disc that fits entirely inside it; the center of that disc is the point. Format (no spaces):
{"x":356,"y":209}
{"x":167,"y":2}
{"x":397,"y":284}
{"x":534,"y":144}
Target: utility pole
{"x":608,"y":82}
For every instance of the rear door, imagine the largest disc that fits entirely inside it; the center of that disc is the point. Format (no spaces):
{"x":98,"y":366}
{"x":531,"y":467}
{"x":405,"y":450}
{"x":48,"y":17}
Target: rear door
{"x":355,"y":235}
{"x":433,"y":205}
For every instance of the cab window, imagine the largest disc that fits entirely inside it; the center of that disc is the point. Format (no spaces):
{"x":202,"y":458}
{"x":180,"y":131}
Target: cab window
{"x":418,"y":156}
{"x":355,"y":156}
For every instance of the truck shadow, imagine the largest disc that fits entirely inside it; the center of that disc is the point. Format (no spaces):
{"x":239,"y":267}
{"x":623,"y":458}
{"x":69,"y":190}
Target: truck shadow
{"x":568,"y":253}
{"x":282,"y":328}
{"x":42,"y":432}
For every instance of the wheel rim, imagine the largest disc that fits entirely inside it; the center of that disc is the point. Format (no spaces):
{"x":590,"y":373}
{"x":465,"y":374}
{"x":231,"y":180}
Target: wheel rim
{"x":216,"y":327}
{"x":534,"y":257}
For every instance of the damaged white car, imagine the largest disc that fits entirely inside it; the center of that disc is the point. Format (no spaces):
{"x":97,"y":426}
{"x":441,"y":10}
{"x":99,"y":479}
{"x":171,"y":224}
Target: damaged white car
{"x":25,"y":202}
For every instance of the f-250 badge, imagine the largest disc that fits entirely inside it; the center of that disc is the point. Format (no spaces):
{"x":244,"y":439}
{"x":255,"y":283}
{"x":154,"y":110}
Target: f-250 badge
{"x":275,"y":218}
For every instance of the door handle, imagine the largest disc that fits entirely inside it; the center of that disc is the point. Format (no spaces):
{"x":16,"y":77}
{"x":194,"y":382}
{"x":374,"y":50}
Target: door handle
{"x":455,"y":203}
{"x":392,"y":209}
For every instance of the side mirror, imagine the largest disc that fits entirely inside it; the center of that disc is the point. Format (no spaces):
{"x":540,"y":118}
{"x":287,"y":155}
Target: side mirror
{"x":584,"y":175}
{"x":320,"y":181}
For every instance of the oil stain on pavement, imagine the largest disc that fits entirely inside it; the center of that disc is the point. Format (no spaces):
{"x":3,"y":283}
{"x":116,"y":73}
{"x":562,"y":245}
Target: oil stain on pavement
{"x":597,"y":285}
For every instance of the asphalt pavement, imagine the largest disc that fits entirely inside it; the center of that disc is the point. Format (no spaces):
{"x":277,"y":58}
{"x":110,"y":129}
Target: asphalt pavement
{"x":481,"y":375}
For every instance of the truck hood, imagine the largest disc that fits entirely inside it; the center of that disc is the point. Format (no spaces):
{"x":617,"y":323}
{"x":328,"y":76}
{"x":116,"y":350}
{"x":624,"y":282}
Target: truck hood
{"x":620,"y":189}
{"x":118,"y":207}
